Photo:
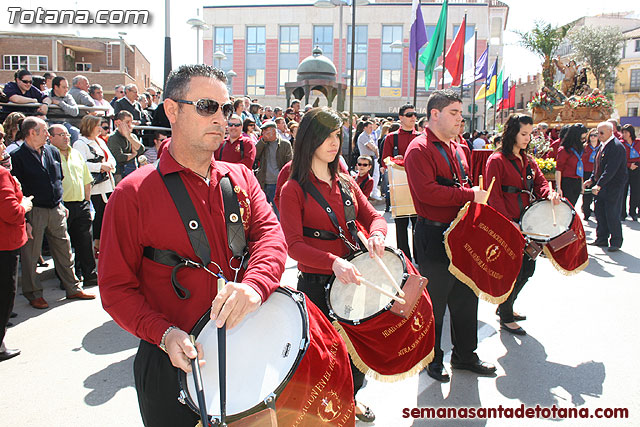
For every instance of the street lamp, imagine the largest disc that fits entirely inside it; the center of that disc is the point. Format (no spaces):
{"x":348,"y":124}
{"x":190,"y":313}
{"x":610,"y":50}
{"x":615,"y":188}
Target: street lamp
{"x":230,"y":75}
{"x":219,"y":56}
{"x":198,"y":24}
{"x":400,"y":45}
{"x":326,"y":4}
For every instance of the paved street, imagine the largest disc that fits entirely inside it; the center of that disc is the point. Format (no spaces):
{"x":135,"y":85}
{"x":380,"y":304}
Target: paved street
{"x":581,"y":351}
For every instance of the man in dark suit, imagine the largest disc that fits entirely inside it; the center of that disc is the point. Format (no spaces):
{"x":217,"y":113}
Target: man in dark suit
{"x":129,"y":102}
{"x":607,"y":184}
{"x":37,"y":165}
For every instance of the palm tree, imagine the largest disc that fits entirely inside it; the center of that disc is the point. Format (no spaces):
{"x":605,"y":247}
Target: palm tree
{"x":544,"y":40}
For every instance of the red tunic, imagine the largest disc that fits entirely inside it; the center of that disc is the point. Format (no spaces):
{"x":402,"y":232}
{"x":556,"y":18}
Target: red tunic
{"x":554,"y":149}
{"x":283,"y":176}
{"x":12,"y":223}
{"x":586,"y":155}
{"x":499,"y":166}
{"x":365,"y":182}
{"x":315,"y":255}
{"x":423,"y":162}
{"x":136,"y":291}
{"x":404,"y":138}
{"x":231,"y":152}
{"x":636,"y":145}
{"x":566,"y":163}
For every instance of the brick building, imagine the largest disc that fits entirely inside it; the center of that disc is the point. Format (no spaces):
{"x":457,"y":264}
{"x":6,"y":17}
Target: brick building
{"x":99,"y":59}
{"x":263,"y":45}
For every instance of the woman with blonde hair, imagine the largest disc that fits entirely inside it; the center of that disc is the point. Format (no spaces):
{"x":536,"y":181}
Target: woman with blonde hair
{"x":13,"y":138}
{"x":101,"y":164}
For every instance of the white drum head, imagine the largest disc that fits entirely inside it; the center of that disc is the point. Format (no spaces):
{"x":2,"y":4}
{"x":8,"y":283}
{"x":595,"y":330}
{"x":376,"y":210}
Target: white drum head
{"x":261,"y":352}
{"x":538,"y":218}
{"x":353,"y":302}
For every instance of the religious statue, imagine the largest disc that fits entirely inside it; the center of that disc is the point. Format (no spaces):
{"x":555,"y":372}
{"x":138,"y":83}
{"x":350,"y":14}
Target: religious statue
{"x":582,"y":87}
{"x":570,"y":72}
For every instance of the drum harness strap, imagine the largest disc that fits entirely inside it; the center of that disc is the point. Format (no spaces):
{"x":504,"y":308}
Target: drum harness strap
{"x":197,"y":236}
{"x":527,"y":184}
{"x":455,"y":182}
{"x":224,"y":144}
{"x":349,"y":213}
{"x":364,"y":182}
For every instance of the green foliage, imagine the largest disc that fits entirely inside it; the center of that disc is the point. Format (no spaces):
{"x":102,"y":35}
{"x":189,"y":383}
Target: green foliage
{"x":544,"y":40}
{"x":600,"y":48}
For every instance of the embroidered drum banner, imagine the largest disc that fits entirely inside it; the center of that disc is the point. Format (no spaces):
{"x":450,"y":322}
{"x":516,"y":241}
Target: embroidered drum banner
{"x":485,"y":250}
{"x":573,"y":258}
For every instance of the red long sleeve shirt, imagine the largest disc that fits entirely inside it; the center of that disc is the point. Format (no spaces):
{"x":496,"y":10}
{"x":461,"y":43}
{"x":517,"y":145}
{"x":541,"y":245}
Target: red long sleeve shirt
{"x":586,"y":155}
{"x":404,"y":139}
{"x":12,"y":222}
{"x":566,"y":163}
{"x":423,"y":163}
{"x":283,"y":177}
{"x":499,"y":166}
{"x":299,"y":210}
{"x":554,"y":149}
{"x":636,"y":145}
{"x":137,"y":291}
{"x":365,"y":182}
{"x":232,"y":153}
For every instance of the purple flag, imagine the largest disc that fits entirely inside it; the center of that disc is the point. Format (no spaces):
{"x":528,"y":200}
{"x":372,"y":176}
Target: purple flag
{"x":482,"y":65}
{"x":418,"y":36}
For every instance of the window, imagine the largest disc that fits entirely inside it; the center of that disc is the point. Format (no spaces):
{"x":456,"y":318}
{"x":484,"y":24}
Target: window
{"x":323,"y":38}
{"x":256,"y":40}
{"x":360,"y":60}
{"x":391,"y":59}
{"x":287,"y":75}
{"x":632,"y":111}
{"x":83,"y":66}
{"x":637,"y":45}
{"x":634,"y":81}
{"x":255,"y":82}
{"x":28,"y":62}
{"x":469,"y":32}
{"x":289,"y":39}
{"x":223,"y":40}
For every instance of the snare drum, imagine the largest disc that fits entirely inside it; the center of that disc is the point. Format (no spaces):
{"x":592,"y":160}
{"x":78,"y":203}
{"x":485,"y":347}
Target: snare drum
{"x":263,"y":352}
{"x":536,"y":221}
{"x":382,"y":344}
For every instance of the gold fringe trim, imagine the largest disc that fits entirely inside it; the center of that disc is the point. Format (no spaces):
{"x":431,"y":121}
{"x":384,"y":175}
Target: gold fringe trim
{"x":463,"y":277}
{"x":561,"y":269}
{"x":362,"y":367}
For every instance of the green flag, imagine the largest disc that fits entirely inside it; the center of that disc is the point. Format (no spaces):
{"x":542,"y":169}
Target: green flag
{"x":497,"y":94}
{"x":435,"y":47}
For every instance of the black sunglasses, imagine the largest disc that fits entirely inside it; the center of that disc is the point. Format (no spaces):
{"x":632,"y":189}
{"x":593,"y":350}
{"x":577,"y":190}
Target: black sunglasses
{"x":105,"y":127}
{"x":27,"y":82}
{"x":235,"y":125}
{"x":410,"y":114}
{"x":364,"y":164}
{"x":208,"y":107}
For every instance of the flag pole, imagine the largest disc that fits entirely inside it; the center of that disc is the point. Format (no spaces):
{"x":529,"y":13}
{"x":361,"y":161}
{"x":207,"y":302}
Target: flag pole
{"x":444,"y":43}
{"x":465,"y":39}
{"x":473,"y":92}
{"x":415,"y":82}
{"x":495,"y":94}
{"x":353,"y":51}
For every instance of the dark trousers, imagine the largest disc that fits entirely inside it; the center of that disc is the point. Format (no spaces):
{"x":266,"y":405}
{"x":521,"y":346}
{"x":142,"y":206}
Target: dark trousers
{"x":447,"y":291}
{"x":79,"y":228}
{"x":571,"y":188}
{"x":587,"y":198}
{"x":401,"y":234}
{"x":608,"y":218}
{"x":8,"y":286}
{"x":313,"y":287}
{"x":633,"y":184}
{"x":98,"y":206}
{"x":526,"y":271}
{"x":157,"y":387}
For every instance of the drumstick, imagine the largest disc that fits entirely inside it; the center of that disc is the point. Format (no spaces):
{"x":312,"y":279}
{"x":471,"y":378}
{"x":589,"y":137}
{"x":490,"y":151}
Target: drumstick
{"x":382,"y":291}
{"x":222,"y":364}
{"x":528,"y":233}
{"x":553,"y":212}
{"x":481,"y":182}
{"x":486,"y":198}
{"x":197,"y":379}
{"x":383,"y":266}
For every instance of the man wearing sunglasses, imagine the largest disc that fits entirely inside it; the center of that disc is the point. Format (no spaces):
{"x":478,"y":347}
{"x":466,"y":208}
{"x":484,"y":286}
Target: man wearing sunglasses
{"x":22,"y":91}
{"x":137,"y":291}
{"x":395,"y":146}
{"x":236,"y":148}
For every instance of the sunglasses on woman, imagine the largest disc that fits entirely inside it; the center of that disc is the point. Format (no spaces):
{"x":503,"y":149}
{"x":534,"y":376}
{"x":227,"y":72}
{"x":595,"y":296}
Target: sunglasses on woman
{"x":208,"y":107}
{"x":364,"y":164}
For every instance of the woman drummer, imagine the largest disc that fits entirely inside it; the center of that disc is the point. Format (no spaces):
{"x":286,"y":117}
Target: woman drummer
{"x":519,"y":181}
{"x":319,"y":247}
{"x":569,"y":166}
